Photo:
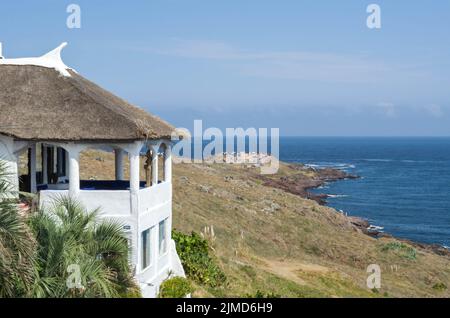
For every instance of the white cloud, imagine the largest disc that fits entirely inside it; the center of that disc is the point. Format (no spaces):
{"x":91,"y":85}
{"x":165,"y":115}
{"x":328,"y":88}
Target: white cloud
{"x":295,"y":65}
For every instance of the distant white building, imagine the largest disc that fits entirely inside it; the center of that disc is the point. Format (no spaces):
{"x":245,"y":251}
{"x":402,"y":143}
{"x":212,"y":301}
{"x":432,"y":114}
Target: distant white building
{"x":51,"y":112}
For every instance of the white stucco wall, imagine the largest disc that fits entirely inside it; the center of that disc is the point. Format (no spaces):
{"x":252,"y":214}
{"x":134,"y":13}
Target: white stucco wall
{"x":111,"y":203}
{"x":154,"y":196}
{"x":138,"y":210}
{"x":154,"y":205}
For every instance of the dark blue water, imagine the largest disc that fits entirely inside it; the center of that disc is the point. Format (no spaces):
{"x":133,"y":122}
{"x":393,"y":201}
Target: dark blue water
{"x":405,"y":184}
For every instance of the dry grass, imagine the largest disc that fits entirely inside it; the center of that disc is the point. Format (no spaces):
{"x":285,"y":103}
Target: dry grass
{"x":273,"y":241}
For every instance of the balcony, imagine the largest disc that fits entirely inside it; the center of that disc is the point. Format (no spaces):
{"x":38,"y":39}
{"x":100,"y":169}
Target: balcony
{"x":114,"y":198}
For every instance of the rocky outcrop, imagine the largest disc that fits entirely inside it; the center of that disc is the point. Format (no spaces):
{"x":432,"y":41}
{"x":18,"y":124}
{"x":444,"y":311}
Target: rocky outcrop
{"x":309,"y":178}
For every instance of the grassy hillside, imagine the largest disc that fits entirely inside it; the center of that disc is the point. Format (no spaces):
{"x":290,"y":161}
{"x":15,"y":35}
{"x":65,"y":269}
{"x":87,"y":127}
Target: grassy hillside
{"x":272,"y":241}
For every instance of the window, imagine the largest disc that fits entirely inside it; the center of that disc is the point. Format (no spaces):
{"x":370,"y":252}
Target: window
{"x":146,"y":250}
{"x":163,"y":237}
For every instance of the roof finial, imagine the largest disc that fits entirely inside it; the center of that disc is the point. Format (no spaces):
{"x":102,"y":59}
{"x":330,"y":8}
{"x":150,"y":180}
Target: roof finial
{"x":50,"y":60}
{"x":55,"y":54}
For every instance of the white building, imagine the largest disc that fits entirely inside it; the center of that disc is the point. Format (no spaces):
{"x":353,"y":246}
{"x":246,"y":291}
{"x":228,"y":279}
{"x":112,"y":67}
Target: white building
{"x":49,"y":110}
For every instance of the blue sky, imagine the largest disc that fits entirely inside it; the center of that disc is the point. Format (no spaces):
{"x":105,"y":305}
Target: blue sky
{"x":306,"y":67}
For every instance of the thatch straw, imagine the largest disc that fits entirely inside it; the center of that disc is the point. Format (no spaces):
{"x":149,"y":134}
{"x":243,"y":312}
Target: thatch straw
{"x":37,"y":103}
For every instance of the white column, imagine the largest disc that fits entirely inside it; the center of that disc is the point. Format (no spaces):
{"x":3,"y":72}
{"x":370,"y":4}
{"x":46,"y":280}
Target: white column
{"x":133,"y":153}
{"x":134,"y":172}
{"x":74,"y":168}
{"x":33,"y":185}
{"x":44,"y":165}
{"x":168,"y":164}
{"x":155,"y":165}
{"x":119,"y":164}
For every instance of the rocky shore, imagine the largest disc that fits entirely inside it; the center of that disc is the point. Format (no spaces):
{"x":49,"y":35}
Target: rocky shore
{"x":310,"y":178}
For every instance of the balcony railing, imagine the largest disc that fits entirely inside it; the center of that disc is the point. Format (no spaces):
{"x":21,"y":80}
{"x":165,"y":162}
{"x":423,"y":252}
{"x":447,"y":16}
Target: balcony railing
{"x":115,"y":203}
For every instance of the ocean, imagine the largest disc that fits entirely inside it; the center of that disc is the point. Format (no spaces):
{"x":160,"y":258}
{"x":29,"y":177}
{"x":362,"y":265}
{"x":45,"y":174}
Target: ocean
{"x":404,"y":185}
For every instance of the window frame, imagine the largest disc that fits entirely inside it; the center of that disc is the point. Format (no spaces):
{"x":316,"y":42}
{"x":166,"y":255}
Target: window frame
{"x":146,"y":249}
{"x":166,"y":249}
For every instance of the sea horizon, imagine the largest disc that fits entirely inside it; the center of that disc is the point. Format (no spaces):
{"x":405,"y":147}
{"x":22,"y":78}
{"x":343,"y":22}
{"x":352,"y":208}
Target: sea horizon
{"x":400,"y":177}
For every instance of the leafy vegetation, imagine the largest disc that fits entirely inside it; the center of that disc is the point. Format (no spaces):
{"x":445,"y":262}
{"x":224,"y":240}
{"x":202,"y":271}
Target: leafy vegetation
{"x":197,"y":262}
{"x":68,"y":237}
{"x":260,"y":294}
{"x":60,"y":251}
{"x":16,"y":244}
{"x":439,"y":286}
{"x":404,"y":250}
{"x":176,"y":287}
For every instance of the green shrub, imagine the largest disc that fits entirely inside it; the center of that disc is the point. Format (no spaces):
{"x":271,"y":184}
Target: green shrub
{"x":439,"y":286}
{"x":197,"y":263}
{"x":177,"y":287}
{"x":405,"y":251}
{"x":260,"y":294}
{"x":131,"y":293}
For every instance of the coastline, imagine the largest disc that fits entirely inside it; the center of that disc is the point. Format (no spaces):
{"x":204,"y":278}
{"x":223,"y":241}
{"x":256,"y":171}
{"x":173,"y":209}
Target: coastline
{"x":314,"y":178}
{"x":284,"y":238}
{"x":301,"y":186}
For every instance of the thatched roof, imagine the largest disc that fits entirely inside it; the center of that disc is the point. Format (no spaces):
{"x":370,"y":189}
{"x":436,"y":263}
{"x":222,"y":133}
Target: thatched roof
{"x":38,"y":103}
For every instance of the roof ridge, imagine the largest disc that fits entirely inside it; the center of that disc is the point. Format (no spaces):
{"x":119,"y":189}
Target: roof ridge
{"x":51,"y":60}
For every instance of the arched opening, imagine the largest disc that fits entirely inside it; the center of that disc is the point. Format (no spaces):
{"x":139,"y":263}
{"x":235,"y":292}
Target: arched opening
{"x":96,"y":167}
{"x":148,"y":158}
{"x":41,"y":165}
{"x":106,"y":168}
{"x":155,"y":164}
{"x":161,"y":162}
{"x":51,"y":167}
{"x":99,"y":167}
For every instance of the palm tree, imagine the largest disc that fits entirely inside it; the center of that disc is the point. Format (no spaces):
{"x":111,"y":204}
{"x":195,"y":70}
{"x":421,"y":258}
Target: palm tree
{"x":16,"y":243}
{"x":79,"y":256}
